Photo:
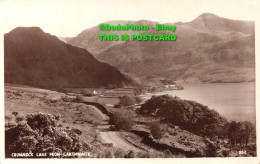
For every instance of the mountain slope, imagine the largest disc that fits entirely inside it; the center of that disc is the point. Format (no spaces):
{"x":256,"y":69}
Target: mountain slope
{"x":35,"y":58}
{"x":89,"y":39}
{"x":207,"y":49}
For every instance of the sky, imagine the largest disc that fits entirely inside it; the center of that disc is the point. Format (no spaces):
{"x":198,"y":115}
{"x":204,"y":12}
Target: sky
{"x":68,"y":18}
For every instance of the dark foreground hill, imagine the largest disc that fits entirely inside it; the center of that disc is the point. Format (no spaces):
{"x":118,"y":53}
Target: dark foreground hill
{"x":35,"y":58}
{"x":207,"y":49}
{"x":197,"y":118}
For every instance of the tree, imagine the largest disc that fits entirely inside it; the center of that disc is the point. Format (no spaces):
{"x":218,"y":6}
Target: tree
{"x":211,"y":149}
{"x":232,"y":132}
{"x":157,"y":130}
{"x":179,"y":87}
{"x":245,"y":131}
{"x":240,"y":132}
{"x":122,"y":120}
{"x":138,"y":100}
{"x":153,"y":89}
{"x":79,"y":98}
{"x":126,"y":101}
{"x":138,"y":90}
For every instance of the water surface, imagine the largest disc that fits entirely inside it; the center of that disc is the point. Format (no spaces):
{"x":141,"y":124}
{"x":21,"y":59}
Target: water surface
{"x":235,"y":101}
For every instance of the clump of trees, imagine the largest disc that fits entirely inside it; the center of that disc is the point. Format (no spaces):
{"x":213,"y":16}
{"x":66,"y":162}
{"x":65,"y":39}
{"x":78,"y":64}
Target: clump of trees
{"x":79,"y":98}
{"x":179,"y":87}
{"x":152,"y":89}
{"x":127,"y":100}
{"x":122,"y":120}
{"x":138,"y":100}
{"x":197,"y":118}
{"x":188,"y":115}
{"x":39,"y":133}
{"x":239,"y":133}
{"x":138,"y":90}
{"x":157,"y":130}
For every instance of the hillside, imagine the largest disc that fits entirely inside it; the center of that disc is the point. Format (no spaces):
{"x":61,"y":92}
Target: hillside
{"x":207,"y":49}
{"x":189,"y":115}
{"x":88,"y":39}
{"x":35,"y":58}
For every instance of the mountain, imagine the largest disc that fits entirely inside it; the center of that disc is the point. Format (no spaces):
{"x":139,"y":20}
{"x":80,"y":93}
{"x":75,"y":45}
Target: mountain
{"x":89,"y":39}
{"x":207,"y":49}
{"x":35,"y":58}
{"x":65,"y":39}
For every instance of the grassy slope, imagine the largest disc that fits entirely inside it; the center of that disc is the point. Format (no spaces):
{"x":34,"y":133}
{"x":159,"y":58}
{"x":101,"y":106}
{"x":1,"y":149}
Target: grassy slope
{"x":25,"y":100}
{"x":75,"y":115}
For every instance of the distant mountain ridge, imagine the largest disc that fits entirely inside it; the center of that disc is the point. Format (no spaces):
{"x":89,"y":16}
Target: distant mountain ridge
{"x":207,"y":49}
{"x":35,"y":58}
{"x":88,"y":39}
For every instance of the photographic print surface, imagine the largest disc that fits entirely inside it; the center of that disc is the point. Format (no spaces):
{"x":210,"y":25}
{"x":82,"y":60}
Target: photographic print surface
{"x":128,"y":83}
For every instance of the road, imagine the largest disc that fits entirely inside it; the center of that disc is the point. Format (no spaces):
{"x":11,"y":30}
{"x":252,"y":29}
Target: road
{"x":113,"y":137}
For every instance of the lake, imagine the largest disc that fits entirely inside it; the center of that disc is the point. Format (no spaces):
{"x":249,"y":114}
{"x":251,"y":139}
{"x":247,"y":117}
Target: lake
{"x":235,"y":101}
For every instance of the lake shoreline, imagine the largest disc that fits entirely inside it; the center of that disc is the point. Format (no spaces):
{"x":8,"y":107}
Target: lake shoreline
{"x":235,"y":101}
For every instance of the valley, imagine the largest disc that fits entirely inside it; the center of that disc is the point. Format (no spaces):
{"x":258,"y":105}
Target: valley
{"x":191,"y":97}
{"x":98,"y":134}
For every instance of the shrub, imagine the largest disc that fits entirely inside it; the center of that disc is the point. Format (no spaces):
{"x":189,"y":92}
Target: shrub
{"x":77,"y":131}
{"x":211,"y":149}
{"x":116,"y":106}
{"x":66,"y":98}
{"x":173,"y":133}
{"x":252,"y":150}
{"x":130,"y":154}
{"x":40,"y":133}
{"x":15,"y":113}
{"x":225,"y":153}
{"x":119,"y":153}
{"x":20,"y":118}
{"x":179,"y":87}
{"x":167,"y":154}
{"x":122,"y":120}
{"x":79,"y":98}
{"x":157,"y":130}
{"x":138,"y":90}
{"x":126,"y":101}
{"x":138,"y":100}
{"x":57,"y":116}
